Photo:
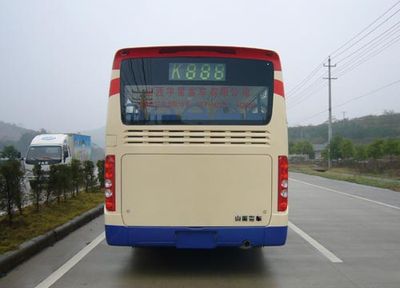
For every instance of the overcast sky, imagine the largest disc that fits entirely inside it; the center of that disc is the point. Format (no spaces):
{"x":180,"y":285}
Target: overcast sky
{"x":56,"y":56}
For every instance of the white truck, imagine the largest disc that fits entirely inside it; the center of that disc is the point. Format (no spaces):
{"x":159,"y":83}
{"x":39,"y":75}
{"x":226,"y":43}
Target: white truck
{"x":49,"y":149}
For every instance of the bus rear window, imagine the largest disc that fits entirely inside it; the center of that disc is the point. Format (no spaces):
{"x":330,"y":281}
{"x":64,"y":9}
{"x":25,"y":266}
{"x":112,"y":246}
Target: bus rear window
{"x":198,"y":91}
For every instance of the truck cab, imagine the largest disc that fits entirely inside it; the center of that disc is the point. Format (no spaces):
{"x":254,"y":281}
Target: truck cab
{"x":46,"y":150}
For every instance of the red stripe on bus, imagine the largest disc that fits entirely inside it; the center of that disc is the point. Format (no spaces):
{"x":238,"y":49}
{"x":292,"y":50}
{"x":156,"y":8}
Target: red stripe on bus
{"x":278,"y":88}
{"x":114,"y":86}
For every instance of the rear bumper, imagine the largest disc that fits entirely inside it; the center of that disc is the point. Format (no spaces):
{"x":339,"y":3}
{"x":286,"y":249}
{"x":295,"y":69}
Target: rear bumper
{"x":201,"y":238}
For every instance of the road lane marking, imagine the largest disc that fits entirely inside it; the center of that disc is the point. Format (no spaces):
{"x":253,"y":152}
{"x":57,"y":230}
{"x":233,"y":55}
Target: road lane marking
{"x":328,"y":254}
{"x":46,"y":283}
{"x":347,"y":194}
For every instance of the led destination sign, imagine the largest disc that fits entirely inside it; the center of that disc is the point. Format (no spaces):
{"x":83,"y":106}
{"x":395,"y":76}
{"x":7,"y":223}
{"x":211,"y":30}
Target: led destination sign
{"x":196,"y":72}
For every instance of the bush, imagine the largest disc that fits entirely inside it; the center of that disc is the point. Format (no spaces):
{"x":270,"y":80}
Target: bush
{"x":100,"y":172}
{"x":65,"y":179}
{"x":60,"y":182}
{"x":375,"y":150}
{"x":11,"y":189}
{"x":76,"y":175}
{"x":10,"y":152}
{"x":37,"y":185}
{"x":302,"y":148}
{"x":54,"y":185}
{"x":360,"y":152}
{"x":88,"y":175}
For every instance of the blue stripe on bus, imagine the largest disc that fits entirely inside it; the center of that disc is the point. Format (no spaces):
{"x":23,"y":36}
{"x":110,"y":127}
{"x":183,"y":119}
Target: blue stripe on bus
{"x":195,"y":237}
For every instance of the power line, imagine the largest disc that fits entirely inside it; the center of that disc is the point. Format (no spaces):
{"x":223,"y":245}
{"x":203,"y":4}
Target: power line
{"x":353,"y":99}
{"x":299,"y":94}
{"x":306,"y":79}
{"x":371,"y":53}
{"x":376,"y":27}
{"x":379,"y":45}
{"x":306,"y":96}
{"x":371,"y":49}
{"x":369,"y":93}
{"x":297,"y":87}
{"x":386,"y":32}
{"x":359,"y":33}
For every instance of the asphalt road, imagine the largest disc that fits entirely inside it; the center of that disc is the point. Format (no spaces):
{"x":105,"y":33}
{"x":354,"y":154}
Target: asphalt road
{"x":341,"y":235}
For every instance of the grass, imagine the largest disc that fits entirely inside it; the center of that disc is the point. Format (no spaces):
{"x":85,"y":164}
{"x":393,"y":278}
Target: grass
{"x":349,"y":175}
{"x":32,"y":223}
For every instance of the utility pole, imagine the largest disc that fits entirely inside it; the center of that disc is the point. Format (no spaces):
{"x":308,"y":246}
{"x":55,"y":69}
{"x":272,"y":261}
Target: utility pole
{"x":329,"y":78}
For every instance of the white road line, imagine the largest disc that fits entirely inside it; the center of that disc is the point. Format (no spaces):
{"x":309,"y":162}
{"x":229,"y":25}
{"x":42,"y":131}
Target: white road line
{"x":347,"y":194}
{"x":328,"y":254}
{"x":70,"y":263}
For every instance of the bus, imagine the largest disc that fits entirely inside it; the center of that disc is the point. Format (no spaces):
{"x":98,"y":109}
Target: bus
{"x":196,"y":148}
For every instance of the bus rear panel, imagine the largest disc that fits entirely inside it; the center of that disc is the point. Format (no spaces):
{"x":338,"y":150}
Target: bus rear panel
{"x":196,"y":144}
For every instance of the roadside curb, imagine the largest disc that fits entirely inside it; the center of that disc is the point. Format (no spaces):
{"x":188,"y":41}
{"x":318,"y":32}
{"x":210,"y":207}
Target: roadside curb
{"x":11,"y":259}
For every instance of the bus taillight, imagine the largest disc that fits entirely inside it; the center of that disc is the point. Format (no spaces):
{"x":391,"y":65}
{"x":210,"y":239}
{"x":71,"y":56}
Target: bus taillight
{"x":283,"y":177}
{"x":109,"y":182}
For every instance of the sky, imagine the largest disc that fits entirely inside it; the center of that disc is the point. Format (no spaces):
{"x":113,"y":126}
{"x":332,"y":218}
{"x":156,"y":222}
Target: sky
{"x":56,"y":56}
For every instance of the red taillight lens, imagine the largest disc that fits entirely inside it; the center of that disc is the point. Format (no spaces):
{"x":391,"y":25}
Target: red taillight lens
{"x":283,"y":178}
{"x":109,"y":182}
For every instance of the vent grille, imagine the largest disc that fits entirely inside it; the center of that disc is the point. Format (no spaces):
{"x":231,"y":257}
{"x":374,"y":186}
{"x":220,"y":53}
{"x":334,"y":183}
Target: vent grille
{"x":217,"y":137}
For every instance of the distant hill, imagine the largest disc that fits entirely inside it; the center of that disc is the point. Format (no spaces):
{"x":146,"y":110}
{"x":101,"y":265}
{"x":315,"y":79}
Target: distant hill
{"x":11,"y":132}
{"x":20,"y":138}
{"x":359,"y":130}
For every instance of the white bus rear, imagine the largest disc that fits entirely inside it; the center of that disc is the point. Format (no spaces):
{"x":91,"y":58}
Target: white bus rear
{"x":196,"y":145}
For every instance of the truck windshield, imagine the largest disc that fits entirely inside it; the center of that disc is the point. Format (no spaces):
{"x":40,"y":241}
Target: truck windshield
{"x":205,"y":91}
{"x":46,"y":154}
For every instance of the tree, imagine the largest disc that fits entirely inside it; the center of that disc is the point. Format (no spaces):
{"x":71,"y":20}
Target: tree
{"x":76,"y":175}
{"x":360,"y":152}
{"x":346,"y":149}
{"x":308,"y":149}
{"x":3,"y":199}
{"x":37,"y":185}
{"x":335,"y":147}
{"x":54,"y":186}
{"x":391,"y":147}
{"x":64,"y":179}
{"x":10,"y":152}
{"x":49,"y":187}
{"x":292,"y":148}
{"x":11,"y":193}
{"x":375,"y":149}
{"x":88,"y":175}
{"x":100,"y":172}
{"x":303,"y":148}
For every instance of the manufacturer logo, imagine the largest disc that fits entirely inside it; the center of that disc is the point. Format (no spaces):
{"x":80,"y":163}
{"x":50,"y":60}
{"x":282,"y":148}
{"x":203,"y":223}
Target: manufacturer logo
{"x":48,"y":138}
{"x":248,"y":218}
